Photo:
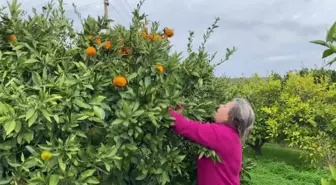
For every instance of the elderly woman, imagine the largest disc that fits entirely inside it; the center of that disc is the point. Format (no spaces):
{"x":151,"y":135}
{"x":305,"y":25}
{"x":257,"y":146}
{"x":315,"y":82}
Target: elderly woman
{"x":234,"y":121}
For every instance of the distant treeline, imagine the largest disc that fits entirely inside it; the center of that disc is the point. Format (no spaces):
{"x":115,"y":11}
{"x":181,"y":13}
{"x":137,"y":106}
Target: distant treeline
{"x":317,"y":73}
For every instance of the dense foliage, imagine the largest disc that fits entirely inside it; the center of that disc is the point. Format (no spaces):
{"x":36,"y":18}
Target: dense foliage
{"x":91,"y":107}
{"x":318,"y":73}
{"x":297,"y":110}
{"x":262,"y":93}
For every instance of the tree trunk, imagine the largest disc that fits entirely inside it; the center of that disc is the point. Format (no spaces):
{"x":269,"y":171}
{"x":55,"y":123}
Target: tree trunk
{"x":257,"y":146}
{"x":257,"y":150}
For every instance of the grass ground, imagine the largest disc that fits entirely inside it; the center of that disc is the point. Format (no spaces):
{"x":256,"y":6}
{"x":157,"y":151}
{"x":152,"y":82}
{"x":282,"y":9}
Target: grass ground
{"x":282,"y":166}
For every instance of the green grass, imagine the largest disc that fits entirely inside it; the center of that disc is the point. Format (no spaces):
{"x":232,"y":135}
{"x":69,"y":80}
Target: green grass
{"x":282,"y":166}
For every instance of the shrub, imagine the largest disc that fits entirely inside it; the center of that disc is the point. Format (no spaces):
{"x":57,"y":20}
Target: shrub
{"x":307,"y":114}
{"x":91,"y":107}
{"x":262,"y":94}
{"x":245,"y":177}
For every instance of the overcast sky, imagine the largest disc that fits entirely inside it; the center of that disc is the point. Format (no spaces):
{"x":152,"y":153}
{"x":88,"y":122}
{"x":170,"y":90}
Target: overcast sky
{"x":271,"y":35}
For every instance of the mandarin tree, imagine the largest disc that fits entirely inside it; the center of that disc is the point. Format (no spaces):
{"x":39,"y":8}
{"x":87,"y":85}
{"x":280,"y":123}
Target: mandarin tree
{"x":263,"y":94}
{"x":74,"y":112}
{"x":297,"y":110}
{"x":306,"y":115}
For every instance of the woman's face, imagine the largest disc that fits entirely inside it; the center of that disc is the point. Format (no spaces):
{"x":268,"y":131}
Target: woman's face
{"x":222,"y":114}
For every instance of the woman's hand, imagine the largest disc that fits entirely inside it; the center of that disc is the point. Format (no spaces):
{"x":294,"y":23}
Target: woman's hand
{"x":178,"y":107}
{"x":170,"y":108}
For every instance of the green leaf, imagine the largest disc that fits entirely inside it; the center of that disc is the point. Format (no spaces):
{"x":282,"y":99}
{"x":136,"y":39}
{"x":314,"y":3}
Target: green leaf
{"x":200,"y":82}
{"x":107,"y":166}
{"x":9,"y":126}
{"x":32,"y":120}
{"x":92,"y":180}
{"x":147,"y":81}
{"x":7,"y":145}
{"x":80,"y":133}
{"x":87,"y":173}
{"x":22,"y":157}
{"x":131,"y":147}
{"x":132,"y":76}
{"x":331,"y":61}
{"x":117,"y":122}
{"x":333,"y":171}
{"x":28,"y":136}
{"x":324,"y":182}
{"x":54,"y":179}
{"x":333,"y":48}
{"x":61,"y":163}
{"x":82,"y":104}
{"x":56,"y":118}
{"x":153,"y":120}
{"x":82,"y":117}
{"x":327,"y":53}
{"x":30,"y":113}
{"x":30,"y":61}
{"x":138,"y":113}
{"x":89,"y":86}
{"x":36,"y":79}
{"x":97,"y":100}
{"x":49,"y":125}
{"x":201,"y":155}
{"x":320,"y":42}
{"x":32,"y":151}
{"x":195,"y":74}
{"x":113,"y":151}
{"x":99,"y":112}
{"x":18,"y":126}
{"x":180,"y":158}
{"x":46,"y":114}
{"x":164,"y":177}
{"x":36,"y":181}
{"x":331,"y":33}
{"x":158,"y":171}
{"x":141,"y":177}
{"x":13,"y":163}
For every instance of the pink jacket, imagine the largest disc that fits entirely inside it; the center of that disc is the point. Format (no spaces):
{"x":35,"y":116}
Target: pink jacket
{"x":221,"y":138}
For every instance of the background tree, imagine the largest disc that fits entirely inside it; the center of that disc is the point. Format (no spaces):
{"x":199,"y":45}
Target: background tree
{"x":263,"y":94}
{"x":306,"y":114}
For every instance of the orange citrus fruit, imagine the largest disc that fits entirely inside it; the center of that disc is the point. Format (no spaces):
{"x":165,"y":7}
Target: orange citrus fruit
{"x":91,"y":51}
{"x":119,"y":81}
{"x":46,"y":155}
{"x":160,"y":68}
{"x":168,"y":32}
{"x":12,"y":38}
{"x":98,"y":41}
{"x":108,"y":45}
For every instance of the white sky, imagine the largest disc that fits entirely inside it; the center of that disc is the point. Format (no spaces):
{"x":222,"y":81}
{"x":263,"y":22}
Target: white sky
{"x":271,"y":35}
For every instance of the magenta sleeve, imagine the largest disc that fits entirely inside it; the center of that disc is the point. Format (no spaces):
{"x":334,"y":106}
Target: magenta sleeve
{"x":203,"y":134}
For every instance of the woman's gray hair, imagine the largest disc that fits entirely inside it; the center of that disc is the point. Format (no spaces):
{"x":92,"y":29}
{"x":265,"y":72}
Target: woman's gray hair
{"x":241,"y":115}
